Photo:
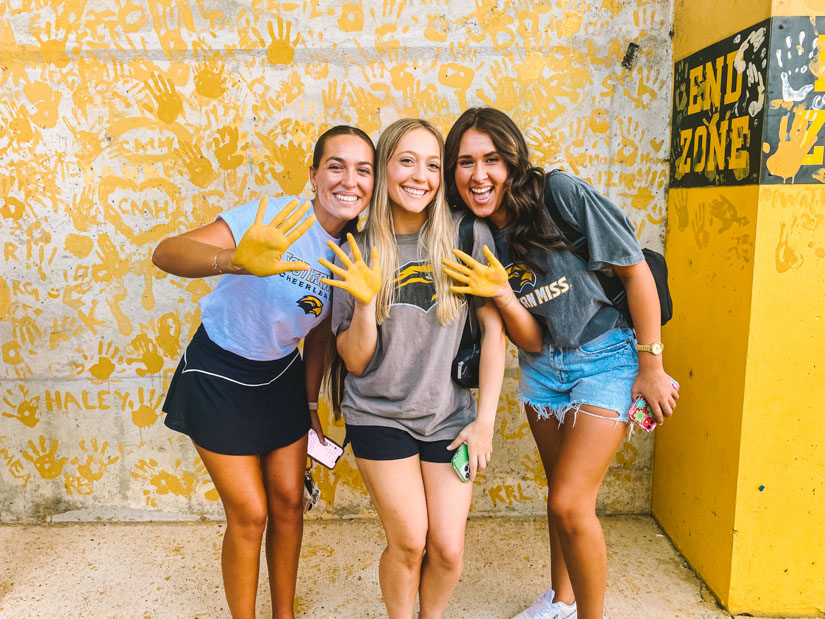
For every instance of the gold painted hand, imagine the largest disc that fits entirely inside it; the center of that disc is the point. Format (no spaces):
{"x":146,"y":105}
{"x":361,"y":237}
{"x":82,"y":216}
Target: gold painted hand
{"x":262,"y":246}
{"x":790,"y":152}
{"x":361,"y":281}
{"x":478,"y":279}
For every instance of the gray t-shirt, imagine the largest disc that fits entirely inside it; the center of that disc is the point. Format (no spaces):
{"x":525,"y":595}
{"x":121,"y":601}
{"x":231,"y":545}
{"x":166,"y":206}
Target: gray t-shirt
{"x":568,"y":297}
{"x":407,"y":382}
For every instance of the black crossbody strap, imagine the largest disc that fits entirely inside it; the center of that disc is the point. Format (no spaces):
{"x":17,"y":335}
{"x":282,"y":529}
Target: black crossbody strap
{"x":466,"y":243}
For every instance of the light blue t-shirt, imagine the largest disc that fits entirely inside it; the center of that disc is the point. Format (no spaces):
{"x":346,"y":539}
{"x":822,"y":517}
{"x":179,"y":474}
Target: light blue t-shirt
{"x":264,"y":318}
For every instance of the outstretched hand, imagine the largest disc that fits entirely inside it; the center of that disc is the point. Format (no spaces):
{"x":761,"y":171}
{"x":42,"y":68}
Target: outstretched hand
{"x":262,"y":246}
{"x":478,"y":279}
{"x":361,"y":281}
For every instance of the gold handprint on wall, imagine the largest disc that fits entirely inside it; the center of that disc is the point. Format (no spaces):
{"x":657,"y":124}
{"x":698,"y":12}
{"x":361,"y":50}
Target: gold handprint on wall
{"x":44,"y":459}
{"x":146,"y":353}
{"x":146,"y":413}
{"x":572,"y":17}
{"x":286,"y":163}
{"x":500,"y":82}
{"x":52,"y":43}
{"x":794,"y":145}
{"x":46,"y":102}
{"x":200,"y":169}
{"x":210,"y":79}
{"x":332,"y":98}
{"x":168,"y":329}
{"x":104,"y":366}
{"x":227,"y":151}
{"x":27,"y":411}
{"x":281,"y":50}
{"x":167,"y":100}
{"x":169,"y":17}
{"x":110,"y":266}
{"x":63,"y":331}
{"x":89,"y":470}
{"x":163,"y":482}
{"x":14,"y":120}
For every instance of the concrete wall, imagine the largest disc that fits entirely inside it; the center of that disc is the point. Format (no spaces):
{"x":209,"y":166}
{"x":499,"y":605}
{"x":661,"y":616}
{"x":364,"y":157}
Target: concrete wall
{"x":125,"y":121}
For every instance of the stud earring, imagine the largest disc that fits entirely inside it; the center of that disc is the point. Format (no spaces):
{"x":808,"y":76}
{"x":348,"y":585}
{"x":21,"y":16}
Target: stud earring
{"x":314,"y":189}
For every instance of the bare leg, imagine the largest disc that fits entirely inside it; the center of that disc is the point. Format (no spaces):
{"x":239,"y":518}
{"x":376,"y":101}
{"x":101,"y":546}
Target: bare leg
{"x":587,"y":448}
{"x":448,"y":503}
{"x":239,"y":484}
{"x":548,"y":435}
{"x":397,"y":491}
{"x":283,"y":473}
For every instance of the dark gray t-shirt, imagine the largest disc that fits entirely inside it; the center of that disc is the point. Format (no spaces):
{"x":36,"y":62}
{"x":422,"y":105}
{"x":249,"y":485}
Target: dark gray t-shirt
{"x":568,"y":298}
{"x":407,"y":382}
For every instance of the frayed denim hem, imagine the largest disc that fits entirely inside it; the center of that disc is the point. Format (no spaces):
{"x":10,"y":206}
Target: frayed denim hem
{"x":544,"y":411}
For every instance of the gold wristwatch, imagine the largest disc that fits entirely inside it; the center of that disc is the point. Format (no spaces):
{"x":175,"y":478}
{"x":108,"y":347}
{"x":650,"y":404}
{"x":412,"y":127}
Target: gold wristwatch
{"x":655,"y":348}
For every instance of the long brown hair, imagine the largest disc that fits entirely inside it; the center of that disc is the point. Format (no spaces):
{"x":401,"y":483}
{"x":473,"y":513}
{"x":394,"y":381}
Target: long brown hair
{"x":528,"y":224}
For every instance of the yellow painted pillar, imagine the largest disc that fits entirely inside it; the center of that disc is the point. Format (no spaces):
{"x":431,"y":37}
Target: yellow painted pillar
{"x":739,"y":472}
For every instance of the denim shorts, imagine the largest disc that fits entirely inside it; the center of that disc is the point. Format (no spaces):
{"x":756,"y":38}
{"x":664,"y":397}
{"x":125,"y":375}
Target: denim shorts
{"x":598,"y":373}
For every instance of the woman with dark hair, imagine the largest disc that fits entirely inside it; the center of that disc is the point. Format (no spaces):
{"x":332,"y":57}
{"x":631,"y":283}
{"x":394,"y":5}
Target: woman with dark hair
{"x":242,"y":392}
{"x":398,"y":327}
{"x":579,"y":361}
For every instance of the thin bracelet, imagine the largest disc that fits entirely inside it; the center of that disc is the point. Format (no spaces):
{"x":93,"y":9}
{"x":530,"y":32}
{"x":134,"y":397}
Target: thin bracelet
{"x":215,"y":266}
{"x":510,"y":300}
{"x":313,"y":406}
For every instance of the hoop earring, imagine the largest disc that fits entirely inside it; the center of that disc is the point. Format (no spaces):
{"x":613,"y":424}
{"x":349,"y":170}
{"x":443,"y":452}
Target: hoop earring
{"x":314,"y":189}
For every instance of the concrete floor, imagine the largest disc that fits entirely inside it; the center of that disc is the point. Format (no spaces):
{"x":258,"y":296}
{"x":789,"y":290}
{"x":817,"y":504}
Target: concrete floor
{"x":159,"y":570}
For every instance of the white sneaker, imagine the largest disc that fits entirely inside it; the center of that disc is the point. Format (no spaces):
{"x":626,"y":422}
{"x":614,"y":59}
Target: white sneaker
{"x":545,"y":608}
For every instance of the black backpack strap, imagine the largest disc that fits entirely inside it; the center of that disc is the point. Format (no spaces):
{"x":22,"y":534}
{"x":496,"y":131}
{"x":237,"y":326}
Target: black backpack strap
{"x":466,"y":243}
{"x":465,"y":234}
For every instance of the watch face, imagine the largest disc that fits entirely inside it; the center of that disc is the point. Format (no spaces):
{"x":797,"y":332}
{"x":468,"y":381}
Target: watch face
{"x":657,"y":348}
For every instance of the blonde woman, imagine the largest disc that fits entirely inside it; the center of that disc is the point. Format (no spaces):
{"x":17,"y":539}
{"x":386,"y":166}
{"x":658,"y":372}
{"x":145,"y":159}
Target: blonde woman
{"x":398,"y":327}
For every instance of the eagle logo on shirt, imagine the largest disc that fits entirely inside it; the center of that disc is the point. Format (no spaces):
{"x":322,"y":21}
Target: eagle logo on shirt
{"x":415,"y":285}
{"x":519,"y":275}
{"x":310,"y":304}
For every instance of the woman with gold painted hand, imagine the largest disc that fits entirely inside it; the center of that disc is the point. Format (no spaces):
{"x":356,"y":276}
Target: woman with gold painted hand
{"x":242,"y":392}
{"x":578,"y":358}
{"x":398,"y":329}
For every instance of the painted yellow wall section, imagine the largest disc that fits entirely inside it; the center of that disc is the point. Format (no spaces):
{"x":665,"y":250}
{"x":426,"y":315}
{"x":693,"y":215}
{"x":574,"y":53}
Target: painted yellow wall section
{"x":779,"y":546}
{"x":125,"y":121}
{"x":710,"y":244}
{"x":700,"y":23}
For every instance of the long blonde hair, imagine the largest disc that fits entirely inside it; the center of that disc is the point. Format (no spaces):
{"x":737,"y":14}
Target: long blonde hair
{"x":437,"y":237}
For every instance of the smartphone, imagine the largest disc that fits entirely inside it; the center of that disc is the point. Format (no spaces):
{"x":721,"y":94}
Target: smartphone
{"x":461,"y":462}
{"x":328,"y":454}
{"x":642,"y":414}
